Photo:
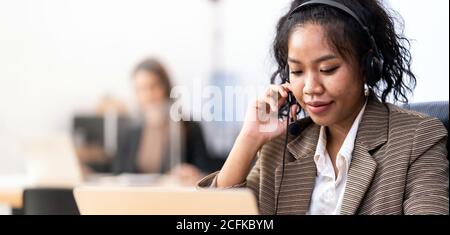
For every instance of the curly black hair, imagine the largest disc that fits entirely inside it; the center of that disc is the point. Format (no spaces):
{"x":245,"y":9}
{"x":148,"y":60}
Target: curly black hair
{"x":349,"y":39}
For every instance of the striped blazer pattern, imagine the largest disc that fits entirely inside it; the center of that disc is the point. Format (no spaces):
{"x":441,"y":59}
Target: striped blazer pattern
{"x":399,"y":166}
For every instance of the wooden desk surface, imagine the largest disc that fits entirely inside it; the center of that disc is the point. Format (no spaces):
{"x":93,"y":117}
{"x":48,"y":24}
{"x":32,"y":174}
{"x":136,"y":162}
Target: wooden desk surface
{"x":11,"y":196}
{"x":12,"y":187}
{"x":11,"y":190}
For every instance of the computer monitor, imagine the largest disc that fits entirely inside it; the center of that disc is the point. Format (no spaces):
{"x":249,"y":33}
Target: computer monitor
{"x":101,"y":131}
{"x":89,"y":128}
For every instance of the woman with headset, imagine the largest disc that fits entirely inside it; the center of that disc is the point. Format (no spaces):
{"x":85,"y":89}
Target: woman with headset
{"x":354,"y":153}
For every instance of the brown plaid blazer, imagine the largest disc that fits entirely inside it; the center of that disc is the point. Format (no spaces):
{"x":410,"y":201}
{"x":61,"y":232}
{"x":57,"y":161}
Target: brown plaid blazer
{"x":399,"y":166}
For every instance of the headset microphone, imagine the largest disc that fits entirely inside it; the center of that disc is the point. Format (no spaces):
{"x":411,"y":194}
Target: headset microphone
{"x":294,"y":129}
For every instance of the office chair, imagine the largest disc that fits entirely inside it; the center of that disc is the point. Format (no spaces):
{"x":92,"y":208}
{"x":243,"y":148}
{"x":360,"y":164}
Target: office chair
{"x":49,"y":201}
{"x":437,"y":109}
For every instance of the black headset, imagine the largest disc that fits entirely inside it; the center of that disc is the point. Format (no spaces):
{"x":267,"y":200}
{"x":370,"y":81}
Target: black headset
{"x":375,"y":60}
{"x":374,"y":63}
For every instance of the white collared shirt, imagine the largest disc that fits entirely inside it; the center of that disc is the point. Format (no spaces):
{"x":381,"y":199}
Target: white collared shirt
{"x":328,"y":192}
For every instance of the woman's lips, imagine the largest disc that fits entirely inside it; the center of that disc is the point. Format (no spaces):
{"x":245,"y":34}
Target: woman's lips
{"x":318,"y":107}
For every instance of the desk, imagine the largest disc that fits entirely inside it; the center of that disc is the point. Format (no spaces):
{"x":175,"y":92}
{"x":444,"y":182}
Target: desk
{"x":12,"y":187}
{"x":11,"y":196}
{"x":11,"y":190}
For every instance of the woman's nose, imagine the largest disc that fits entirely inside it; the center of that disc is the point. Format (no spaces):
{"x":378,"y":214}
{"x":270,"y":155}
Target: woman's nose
{"x":312,"y":84}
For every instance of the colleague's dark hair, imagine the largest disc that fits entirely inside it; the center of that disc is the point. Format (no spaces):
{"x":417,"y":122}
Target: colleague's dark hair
{"x":152,"y":65}
{"x":348,"y":38}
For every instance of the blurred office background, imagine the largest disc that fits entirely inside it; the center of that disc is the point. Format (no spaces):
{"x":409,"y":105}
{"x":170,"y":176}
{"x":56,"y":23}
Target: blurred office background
{"x":60,"y":59}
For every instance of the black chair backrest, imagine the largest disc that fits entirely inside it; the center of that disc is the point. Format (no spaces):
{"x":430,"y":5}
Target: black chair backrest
{"x":49,"y":201}
{"x":438,"y":109}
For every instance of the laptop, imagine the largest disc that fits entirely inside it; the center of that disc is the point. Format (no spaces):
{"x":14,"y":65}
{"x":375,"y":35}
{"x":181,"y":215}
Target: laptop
{"x":101,"y":200}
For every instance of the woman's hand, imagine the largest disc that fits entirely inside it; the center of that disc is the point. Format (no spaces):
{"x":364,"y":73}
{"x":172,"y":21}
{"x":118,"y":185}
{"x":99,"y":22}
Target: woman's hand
{"x":187,"y":174}
{"x":261,"y":122}
{"x":260,"y":126}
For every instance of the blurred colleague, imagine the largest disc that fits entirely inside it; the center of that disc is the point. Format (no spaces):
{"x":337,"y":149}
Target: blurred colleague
{"x":157,"y":144}
{"x":355,"y":153}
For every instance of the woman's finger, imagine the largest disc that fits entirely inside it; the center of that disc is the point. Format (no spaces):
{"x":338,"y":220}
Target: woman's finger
{"x":294,"y":110}
{"x":272,"y":96}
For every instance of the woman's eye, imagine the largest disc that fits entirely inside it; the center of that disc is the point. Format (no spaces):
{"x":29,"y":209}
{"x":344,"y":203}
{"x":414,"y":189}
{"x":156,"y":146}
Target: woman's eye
{"x":329,"y":71}
{"x":296,"y":73}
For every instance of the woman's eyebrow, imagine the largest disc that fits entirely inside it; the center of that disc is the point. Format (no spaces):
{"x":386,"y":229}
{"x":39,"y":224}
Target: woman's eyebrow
{"x":316,"y":61}
{"x":325,"y":58}
{"x":294,"y":61}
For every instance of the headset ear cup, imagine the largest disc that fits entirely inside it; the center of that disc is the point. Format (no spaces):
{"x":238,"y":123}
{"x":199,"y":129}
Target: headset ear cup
{"x":369,"y":69}
{"x":376,"y":68}
{"x":373,"y":69}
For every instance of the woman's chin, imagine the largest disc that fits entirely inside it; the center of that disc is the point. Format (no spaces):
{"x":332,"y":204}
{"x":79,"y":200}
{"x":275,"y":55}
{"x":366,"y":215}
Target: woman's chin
{"x":321,"y":121}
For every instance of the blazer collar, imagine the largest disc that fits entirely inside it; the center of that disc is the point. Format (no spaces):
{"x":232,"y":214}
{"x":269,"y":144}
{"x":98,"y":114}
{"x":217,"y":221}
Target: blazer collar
{"x":372,"y":133}
{"x":373,"y":129}
{"x":302,"y":145}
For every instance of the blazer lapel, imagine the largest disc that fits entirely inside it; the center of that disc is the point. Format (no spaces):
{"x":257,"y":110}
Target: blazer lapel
{"x":299,"y":173}
{"x":360,"y":174}
{"x":372,"y":133}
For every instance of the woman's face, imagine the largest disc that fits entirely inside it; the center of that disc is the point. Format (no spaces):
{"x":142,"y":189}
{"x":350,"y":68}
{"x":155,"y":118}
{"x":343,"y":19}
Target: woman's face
{"x":149,"y":89}
{"x":329,"y":88}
